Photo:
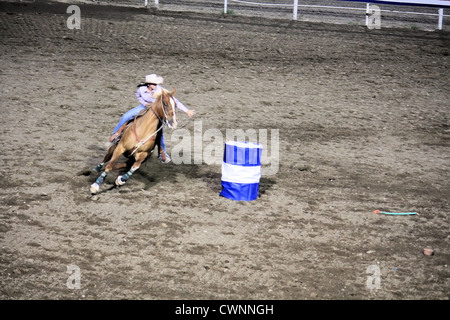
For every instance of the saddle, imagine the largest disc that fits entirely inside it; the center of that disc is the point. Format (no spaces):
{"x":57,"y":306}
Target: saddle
{"x":119,"y":134}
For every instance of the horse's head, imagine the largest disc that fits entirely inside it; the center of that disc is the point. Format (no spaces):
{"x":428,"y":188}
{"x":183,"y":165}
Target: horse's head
{"x":168,"y":106}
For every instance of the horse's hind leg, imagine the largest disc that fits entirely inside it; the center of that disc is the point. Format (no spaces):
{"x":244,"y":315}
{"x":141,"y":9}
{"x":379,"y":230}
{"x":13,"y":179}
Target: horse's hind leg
{"x":121,"y":165}
{"x":108,"y":156}
{"x":139,"y":159}
{"x":116,"y":152}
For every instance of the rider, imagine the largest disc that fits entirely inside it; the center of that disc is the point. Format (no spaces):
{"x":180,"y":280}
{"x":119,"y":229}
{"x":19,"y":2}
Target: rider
{"x":144,"y":95}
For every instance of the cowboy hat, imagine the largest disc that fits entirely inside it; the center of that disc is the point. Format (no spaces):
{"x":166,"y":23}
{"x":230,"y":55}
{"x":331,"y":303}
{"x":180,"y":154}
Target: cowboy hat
{"x":154,"y":79}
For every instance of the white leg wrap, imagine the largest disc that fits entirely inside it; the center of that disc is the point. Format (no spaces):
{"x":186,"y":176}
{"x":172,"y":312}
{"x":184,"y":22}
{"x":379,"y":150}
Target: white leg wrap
{"x":119,"y":181}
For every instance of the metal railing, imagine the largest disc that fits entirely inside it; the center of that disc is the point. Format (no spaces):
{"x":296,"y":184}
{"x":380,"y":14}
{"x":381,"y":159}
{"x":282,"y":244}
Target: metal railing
{"x":370,"y":4}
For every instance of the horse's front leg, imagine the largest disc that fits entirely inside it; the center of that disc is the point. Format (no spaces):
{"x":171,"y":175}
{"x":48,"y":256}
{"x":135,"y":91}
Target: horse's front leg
{"x":139,"y":159}
{"x":116,"y":153}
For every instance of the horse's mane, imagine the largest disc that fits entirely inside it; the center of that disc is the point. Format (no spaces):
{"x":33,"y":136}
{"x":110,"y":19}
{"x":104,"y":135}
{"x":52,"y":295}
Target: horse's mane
{"x":157,"y":94}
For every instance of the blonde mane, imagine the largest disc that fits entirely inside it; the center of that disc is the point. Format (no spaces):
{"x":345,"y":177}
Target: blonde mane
{"x":158,"y":92}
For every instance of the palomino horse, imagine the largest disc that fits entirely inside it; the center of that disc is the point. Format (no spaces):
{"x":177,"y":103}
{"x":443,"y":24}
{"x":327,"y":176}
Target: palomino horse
{"x":139,"y":138}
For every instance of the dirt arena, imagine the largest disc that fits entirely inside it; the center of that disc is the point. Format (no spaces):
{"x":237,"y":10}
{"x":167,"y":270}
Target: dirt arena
{"x":363,"y":122}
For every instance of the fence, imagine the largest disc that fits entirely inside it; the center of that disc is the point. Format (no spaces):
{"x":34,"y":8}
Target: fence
{"x":435,"y":7}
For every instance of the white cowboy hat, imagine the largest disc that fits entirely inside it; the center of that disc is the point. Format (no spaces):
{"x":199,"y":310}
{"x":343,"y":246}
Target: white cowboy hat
{"x":153,"y":78}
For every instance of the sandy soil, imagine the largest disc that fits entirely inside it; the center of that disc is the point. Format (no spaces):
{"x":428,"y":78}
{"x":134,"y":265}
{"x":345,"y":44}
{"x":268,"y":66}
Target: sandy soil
{"x":363,"y":120}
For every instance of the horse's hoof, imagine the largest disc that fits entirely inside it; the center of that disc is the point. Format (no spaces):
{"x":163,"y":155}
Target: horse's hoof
{"x":119,"y":181}
{"x":94,"y":188}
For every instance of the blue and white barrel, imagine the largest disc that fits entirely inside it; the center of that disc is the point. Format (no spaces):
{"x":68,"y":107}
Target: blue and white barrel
{"x":241,"y":170}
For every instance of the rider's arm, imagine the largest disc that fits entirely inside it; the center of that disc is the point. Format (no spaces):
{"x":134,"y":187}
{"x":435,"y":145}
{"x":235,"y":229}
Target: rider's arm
{"x":181,"y":106}
{"x":144,"y":96}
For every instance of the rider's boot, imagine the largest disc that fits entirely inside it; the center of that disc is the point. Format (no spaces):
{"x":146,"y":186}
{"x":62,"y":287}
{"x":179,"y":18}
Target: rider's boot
{"x":118,"y":133}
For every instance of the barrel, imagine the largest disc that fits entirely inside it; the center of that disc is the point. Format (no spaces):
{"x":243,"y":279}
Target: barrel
{"x":241,"y":170}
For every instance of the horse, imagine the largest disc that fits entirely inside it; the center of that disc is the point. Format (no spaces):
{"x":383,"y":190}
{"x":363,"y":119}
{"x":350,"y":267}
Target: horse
{"x":139,"y":138}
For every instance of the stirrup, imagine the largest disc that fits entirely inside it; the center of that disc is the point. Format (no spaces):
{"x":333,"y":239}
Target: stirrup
{"x":116,"y":140}
{"x":118,"y":134}
{"x":114,"y":137}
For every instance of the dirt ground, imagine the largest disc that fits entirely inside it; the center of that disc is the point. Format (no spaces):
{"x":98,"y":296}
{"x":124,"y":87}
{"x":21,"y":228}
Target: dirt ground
{"x":363,"y":122}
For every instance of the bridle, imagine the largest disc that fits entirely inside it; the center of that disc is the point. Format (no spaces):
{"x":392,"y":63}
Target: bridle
{"x":163,"y":106}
